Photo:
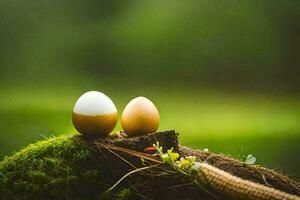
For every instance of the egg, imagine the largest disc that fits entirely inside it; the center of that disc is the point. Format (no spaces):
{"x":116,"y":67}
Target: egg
{"x":94,"y":114}
{"x":140,"y":117}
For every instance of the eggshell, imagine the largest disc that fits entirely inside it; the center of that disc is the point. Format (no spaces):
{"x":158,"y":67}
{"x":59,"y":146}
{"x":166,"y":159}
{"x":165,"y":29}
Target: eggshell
{"x":94,"y":114}
{"x":140,"y":117}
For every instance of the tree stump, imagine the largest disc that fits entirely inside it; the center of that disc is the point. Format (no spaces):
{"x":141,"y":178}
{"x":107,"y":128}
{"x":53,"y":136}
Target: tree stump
{"x":80,"y":168}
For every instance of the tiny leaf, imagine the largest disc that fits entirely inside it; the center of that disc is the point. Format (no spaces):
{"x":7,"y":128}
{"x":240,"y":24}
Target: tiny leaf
{"x":173,"y":156}
{"x":250,"y":160}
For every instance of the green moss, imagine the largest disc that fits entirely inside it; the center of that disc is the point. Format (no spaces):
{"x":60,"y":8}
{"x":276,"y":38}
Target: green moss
{"x":123,"y":194}
{"x":57,"y":168}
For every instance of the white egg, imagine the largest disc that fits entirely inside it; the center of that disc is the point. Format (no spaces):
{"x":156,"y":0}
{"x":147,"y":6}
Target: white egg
{"x":94,"y":114}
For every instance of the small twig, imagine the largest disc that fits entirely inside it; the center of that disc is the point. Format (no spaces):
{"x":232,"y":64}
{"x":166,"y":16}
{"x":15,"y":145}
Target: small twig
{"x":131,"y":152}
{"x":264,"y":178}
{"x":128,"y":174}
{"x":101,"y":151}
{"x":126,"y":161}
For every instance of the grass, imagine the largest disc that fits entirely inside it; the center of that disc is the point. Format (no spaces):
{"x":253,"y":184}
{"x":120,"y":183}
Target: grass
{"x":237,"y":124}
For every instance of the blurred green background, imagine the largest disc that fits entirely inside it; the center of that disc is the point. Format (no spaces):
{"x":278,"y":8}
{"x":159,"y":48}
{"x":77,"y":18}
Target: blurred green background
{"x":224,"y":74}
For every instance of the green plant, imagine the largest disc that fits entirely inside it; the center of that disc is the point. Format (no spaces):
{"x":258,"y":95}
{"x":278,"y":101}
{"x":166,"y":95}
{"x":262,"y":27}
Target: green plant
{"x":186,"y":165}
{"x":249,"y":160}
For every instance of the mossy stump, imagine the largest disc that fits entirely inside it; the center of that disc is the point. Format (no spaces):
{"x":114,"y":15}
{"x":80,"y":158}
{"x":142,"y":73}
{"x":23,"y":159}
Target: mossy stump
{"x":77,"y":168}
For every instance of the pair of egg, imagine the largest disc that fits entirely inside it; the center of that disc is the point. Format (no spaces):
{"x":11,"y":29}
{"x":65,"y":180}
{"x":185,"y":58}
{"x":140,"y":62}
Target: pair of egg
{"x":95,"y":115}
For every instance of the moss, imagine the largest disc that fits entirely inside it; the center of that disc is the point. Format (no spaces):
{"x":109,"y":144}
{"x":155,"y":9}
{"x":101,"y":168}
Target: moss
{"x":123,"y":194}
{"x":72,"y":168}
{"x":54,"y":168}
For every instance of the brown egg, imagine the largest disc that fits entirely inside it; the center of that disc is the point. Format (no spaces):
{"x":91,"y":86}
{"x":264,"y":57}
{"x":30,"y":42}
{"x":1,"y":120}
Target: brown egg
{"x":140,"y":117}
{"x":94,"y":114}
